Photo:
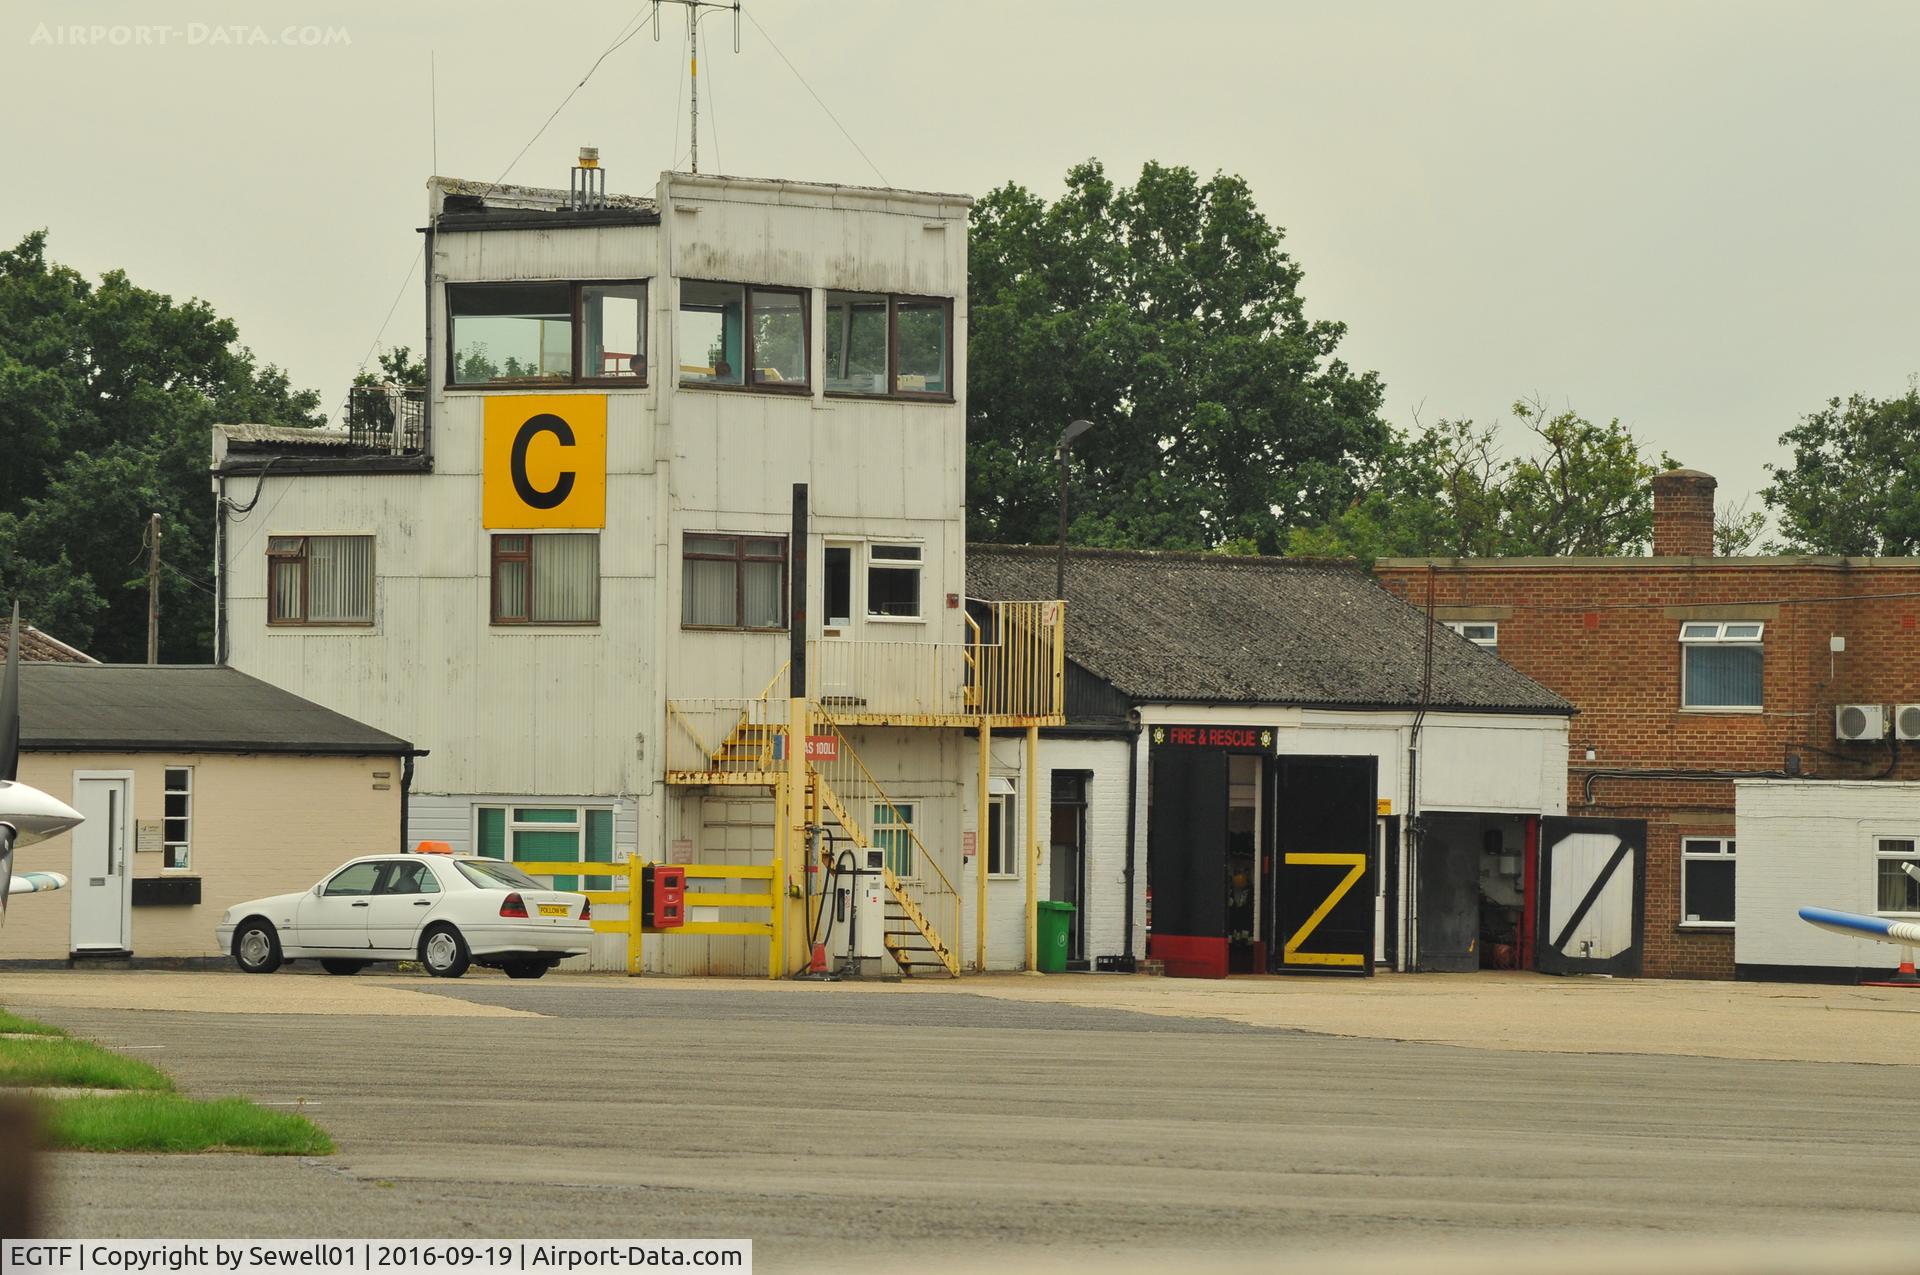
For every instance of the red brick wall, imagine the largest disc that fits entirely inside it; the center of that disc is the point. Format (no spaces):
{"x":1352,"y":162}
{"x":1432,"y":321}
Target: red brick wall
{"x":1604,"y":634}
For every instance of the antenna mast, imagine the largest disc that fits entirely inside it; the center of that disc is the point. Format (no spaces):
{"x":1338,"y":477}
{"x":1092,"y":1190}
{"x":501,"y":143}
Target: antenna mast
{"x":693,"y":8}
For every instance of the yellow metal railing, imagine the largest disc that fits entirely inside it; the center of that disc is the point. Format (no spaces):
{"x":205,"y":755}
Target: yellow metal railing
{"x":629,"y":896}
{"x":861,"y":806}
{"x":1019,"y":664}
{"x":1012,"y":665}
{"x":723,"y":736}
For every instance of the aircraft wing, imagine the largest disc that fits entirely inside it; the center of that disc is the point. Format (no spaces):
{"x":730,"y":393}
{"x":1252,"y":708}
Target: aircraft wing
{"x":35,"y":882}
{"x":1878,"y":928}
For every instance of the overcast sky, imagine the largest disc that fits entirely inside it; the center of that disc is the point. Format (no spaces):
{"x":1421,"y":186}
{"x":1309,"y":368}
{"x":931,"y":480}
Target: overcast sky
{"x":1698,"y":217}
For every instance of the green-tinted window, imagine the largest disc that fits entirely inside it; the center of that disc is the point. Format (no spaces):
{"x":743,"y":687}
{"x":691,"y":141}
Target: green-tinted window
{"x":599,"y":845}
{"x":493,"y":832}
{"x":893,"y":833}
{"x":536,"y":846}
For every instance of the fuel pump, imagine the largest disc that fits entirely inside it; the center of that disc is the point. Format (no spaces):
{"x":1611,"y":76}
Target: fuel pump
{"x":860,"y":906}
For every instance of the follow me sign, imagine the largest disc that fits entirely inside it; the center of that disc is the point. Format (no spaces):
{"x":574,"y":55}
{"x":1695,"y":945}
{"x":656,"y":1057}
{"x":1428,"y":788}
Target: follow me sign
{"x":544,"y":461}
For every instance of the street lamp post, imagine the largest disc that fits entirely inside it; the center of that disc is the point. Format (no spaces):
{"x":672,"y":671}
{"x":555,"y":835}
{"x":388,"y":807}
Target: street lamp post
{"x":1071,"y":432}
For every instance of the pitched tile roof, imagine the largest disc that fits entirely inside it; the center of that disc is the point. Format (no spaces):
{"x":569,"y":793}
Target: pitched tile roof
{"x":1211,"y":628}
{"x":41,"y":648}
{"x":181,"y":708}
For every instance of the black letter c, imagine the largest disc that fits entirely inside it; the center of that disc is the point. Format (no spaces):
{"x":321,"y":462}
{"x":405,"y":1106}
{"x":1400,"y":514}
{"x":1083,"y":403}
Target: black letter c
{"x":545,"y":423}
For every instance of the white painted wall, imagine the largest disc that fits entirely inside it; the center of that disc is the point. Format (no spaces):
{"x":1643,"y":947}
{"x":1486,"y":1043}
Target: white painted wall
{"x":1810,"y":843}
{"x":1471,"y":762}
{"x":1104,"y":909}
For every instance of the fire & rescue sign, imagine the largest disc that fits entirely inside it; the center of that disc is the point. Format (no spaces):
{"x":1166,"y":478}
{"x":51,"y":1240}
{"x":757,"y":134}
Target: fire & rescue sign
{"x":544,"y":461}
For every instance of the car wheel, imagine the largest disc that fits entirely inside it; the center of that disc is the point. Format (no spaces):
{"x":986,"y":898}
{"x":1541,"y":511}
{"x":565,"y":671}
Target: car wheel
{"x":444,"y":952}
{"x":526,"y":969}
{"x":334,"y":965}
{"x":256,"y":948}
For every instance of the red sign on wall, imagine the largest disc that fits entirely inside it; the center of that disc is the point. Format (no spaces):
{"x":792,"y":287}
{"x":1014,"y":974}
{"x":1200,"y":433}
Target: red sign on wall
{"x":819,"y":748}
{"x":1233,"y":738}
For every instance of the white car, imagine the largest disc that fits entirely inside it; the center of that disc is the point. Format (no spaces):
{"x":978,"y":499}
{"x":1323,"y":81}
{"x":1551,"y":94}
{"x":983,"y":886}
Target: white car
{"x":445,"y":911}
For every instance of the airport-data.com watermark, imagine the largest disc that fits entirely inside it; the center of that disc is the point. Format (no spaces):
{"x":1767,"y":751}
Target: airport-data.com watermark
{"x":204,"y":35}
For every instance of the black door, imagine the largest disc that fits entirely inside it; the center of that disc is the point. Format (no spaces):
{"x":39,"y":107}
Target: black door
{"x":1067,"y":854}
{"x":1592,"y":890}
{"x":1187,"y":858}
{"x":1323,"y":904}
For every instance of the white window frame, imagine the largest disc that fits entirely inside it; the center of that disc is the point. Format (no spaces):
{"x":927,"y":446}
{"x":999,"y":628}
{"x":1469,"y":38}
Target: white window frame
{"x":1490,"y":639}
{"x":911,"y":806}
{"x":510,"y":826}
{"x":168,"y":844}
{"x":1882,"y":855}
{"x":1730,"y":633}
{"x":1002,"y":805}
{"x":918,"y":566}
{"x":1724,"y":852}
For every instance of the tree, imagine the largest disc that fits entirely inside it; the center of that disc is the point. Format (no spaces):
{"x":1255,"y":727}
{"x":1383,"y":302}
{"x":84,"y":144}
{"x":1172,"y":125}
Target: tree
{"x":1854,"y":485}
{"x":397,"y":367}
{"x":1167,"y":314}
{"x":1443,"y":491}
{"x":108,"y":394}
{"x":1737,"y":531}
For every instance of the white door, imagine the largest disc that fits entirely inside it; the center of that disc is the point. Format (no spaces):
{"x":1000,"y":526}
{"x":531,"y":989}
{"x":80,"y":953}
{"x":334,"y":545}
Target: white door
{"x":403,"y":900}
{"x":335,"y":919}
{"x":102,"y":884}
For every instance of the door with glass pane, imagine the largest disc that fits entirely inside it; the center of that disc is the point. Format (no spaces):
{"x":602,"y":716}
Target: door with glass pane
{"x":101,"y":919}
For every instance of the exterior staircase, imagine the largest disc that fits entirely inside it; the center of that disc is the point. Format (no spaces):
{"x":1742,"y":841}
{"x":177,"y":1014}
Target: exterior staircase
{"x":748,"y":746}
{"x":921,"y":908}
{"x":911,"y":936}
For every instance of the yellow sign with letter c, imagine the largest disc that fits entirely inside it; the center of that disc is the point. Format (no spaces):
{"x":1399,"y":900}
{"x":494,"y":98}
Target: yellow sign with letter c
{"x":544,"y":461}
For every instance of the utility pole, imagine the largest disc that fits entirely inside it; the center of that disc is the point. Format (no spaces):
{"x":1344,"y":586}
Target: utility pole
{"x":1073,"y":430}
{"x":153,"y":589}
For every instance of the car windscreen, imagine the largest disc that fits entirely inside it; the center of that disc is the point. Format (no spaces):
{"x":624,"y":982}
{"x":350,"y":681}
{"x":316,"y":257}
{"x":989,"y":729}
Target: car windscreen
{"x":491,"y":874}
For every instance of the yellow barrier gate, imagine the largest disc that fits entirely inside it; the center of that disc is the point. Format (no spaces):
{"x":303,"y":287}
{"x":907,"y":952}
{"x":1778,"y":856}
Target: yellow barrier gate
{"x":629,"y":896}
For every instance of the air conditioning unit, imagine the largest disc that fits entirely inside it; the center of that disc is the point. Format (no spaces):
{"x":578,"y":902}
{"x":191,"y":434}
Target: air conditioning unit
{"x":1860,"y":721}
{"x":1906,"y":721}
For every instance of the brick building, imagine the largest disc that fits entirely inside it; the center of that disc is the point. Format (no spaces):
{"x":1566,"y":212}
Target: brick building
{"x":1691,"y":671}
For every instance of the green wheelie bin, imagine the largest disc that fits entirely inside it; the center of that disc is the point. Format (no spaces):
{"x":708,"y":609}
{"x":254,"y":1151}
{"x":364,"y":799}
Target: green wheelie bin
{"x":1053,"y":923}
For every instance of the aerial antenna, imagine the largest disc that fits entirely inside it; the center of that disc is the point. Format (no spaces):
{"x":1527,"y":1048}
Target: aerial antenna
{"x":693,"y":8}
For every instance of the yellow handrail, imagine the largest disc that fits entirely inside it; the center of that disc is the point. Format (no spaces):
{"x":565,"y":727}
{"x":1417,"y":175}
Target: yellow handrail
{"x":921,"y":853}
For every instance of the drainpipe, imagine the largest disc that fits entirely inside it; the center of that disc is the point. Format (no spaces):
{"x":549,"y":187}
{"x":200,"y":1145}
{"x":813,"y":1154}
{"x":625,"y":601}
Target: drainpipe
{"x":406,"y":793}
{"x":433,"y":376}
{"x":1133,"y":811}
{"x":220,"y":569}
{"x":1410,"y":950}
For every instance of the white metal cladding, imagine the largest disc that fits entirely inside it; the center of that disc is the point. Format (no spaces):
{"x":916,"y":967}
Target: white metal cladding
{"x":498,"y":708}
{"x":1810,"y":843}
{"x":615,"y":252}
{"x":547,"y":713}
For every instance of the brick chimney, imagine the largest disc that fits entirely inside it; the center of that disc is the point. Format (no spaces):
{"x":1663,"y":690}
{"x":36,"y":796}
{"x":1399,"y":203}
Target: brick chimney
{"x":1683,"y":514}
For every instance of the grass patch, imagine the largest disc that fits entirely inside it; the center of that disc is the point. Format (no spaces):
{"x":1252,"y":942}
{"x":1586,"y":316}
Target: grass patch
{"x":13,"y":1024}
{"x":80,"y":1064}
{"x":168,"y":1122}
